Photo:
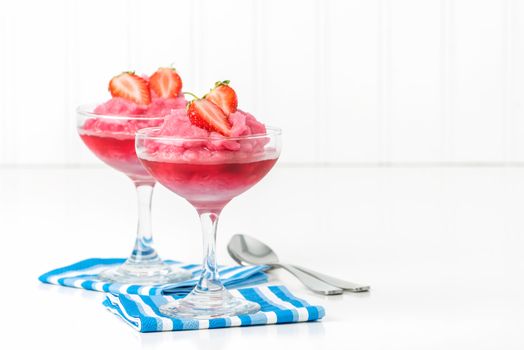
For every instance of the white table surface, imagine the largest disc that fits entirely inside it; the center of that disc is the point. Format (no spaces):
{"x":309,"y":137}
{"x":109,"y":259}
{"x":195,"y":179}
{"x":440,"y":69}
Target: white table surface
{"x":443,"y":249}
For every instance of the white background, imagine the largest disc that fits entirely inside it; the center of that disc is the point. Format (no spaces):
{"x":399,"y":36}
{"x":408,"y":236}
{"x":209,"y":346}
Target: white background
{"x":431,"y":88}
{"x":365,"y":81}
{"x":440,"y":247}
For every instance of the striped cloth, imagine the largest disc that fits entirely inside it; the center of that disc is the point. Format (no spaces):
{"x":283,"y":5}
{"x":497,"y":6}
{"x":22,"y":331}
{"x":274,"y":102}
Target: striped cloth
{"x":83,"y":274}
{"x":277,"y":305}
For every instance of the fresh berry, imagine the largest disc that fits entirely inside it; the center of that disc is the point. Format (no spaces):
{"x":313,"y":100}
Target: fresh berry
{"x":206,"y":115}
{"x":224,"y":97}
{"x":166,"y":83}
{"x":130,"y":86}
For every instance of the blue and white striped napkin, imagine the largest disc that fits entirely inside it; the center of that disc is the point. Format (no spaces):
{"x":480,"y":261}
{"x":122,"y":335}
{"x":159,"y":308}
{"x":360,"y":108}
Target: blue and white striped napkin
{"x":277,"y":305}
{"x":83,"y":274}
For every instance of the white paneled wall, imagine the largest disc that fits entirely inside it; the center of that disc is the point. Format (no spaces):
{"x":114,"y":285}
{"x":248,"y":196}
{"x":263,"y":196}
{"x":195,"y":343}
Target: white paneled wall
{"x":373,"y":81}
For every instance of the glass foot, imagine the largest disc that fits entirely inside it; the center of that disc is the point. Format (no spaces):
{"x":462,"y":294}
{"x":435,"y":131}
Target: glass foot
{"x":206,"y":305}
{"x":145,"y":273}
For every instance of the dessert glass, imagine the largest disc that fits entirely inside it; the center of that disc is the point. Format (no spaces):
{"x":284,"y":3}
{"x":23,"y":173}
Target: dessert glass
{"x":208,"y":177}
{"x":112,"y":139}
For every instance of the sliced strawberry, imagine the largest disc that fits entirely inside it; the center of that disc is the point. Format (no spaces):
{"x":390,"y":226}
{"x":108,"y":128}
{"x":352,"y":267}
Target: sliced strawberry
{"x":224,"y":97}
{"x":130,"y":86}
{"x":166,"y":82}
{"x":207,"y":115}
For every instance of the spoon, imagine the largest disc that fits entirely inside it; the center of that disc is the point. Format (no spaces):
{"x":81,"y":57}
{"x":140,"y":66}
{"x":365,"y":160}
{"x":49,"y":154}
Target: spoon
{"x":244,"y":248}
{"x":236,"y":251}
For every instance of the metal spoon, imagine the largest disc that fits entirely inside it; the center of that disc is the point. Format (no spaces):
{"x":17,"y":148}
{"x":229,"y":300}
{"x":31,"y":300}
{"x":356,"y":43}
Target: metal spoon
{"x":235,"y":249}
{"x":244,"y":248}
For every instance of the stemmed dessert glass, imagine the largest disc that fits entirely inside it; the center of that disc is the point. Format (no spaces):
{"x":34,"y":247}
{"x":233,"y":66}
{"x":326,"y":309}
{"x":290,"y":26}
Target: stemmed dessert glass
{"x":112,"y":139}
{"x":208,"y":177}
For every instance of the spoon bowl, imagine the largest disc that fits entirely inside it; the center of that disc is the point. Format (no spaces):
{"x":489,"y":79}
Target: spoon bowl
{"x":243,"y":248}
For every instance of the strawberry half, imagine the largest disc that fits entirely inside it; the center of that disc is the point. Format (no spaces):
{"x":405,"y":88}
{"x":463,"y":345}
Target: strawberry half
{"x":207,"y":115}
{"x":224,"y":97}
{"x":130,"y":86}
{"x":166,"y":83}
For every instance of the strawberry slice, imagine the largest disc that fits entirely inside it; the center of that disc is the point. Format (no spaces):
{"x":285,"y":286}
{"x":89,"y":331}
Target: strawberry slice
{"x":166,"y":83}
{"x":130,"y":86}
{"x":207,"y":115}
{"x":224,"y":97}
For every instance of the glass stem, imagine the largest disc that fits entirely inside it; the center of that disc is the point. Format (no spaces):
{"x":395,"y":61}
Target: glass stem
{"x":143,"y":251}
{"x":209,"y":280}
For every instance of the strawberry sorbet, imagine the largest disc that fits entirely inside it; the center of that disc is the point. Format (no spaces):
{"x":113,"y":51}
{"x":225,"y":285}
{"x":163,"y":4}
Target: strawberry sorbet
{"x":205,"y":167}
{"x":118,"y":106}
{"x":113,"y":139}
{"x":202,"y":146}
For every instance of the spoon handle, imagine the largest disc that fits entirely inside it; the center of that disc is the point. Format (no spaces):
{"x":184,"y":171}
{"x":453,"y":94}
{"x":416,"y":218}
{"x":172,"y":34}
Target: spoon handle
{"x":311,"y":282}
{"x":350,"y":286}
